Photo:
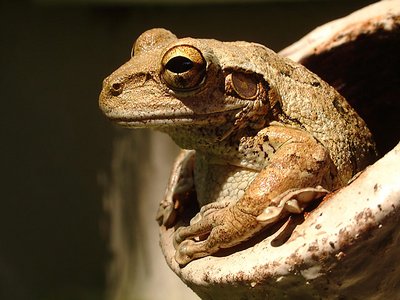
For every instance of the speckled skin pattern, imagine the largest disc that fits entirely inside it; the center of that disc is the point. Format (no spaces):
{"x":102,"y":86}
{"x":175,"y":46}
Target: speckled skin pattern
{"x":261,"y":125}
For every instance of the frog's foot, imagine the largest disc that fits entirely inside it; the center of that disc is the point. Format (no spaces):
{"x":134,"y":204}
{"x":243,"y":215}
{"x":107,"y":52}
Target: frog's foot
{"x":172,"y":202}
{"x":217,"y":229}
{"x":166,"y":213}
{"x":291,"y":201}
{"x":197,"y":240}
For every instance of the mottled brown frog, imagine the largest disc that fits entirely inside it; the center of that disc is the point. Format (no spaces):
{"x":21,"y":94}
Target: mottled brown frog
{"x":263,"y":135}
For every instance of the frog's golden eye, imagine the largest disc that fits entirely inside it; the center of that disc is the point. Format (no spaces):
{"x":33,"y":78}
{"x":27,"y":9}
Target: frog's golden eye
{"x":183,"y":67}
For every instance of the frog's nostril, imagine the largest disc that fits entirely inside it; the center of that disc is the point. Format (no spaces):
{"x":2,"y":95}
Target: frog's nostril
{"x":116,"y":88}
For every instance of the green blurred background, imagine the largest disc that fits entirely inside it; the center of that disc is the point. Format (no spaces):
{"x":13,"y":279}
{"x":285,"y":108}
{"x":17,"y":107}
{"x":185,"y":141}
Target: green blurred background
{"x":56,"y":146}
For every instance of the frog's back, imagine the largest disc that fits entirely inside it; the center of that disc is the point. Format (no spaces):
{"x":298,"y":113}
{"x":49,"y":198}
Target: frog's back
{"x":310,"y":103}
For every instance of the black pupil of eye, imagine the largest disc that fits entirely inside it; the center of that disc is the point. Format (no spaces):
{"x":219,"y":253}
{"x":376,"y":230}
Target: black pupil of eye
{"x":179,"y":64}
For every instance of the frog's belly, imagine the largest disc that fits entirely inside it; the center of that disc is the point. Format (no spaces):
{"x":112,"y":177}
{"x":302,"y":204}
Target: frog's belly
{"x":226,"y":183}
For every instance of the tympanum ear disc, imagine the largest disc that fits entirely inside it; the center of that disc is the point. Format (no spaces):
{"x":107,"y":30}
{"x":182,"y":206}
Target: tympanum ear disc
{"x":245,"y":85}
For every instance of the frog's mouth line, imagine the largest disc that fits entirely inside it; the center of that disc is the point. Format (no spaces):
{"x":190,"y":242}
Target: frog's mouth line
{"x":176,"y":119}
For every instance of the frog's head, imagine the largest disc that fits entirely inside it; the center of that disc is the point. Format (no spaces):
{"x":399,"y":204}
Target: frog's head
{"x":171,"y":82}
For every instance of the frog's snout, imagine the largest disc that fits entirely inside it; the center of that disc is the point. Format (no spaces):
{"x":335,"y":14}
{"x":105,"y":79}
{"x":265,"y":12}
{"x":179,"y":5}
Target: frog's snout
{"x":116,"y":88}
{"x":113,"y":86}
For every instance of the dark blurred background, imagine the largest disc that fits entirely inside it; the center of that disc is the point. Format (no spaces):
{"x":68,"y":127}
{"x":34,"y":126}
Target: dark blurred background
{"x":56,"y":146}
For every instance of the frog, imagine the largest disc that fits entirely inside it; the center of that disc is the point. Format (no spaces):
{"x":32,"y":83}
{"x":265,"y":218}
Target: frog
{"x":262,"y":137}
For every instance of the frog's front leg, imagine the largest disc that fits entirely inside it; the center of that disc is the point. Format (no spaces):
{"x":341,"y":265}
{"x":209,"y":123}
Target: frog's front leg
{"x":179,"y":186}
{"x":225,"y":228}
{"x":298,"y":171}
